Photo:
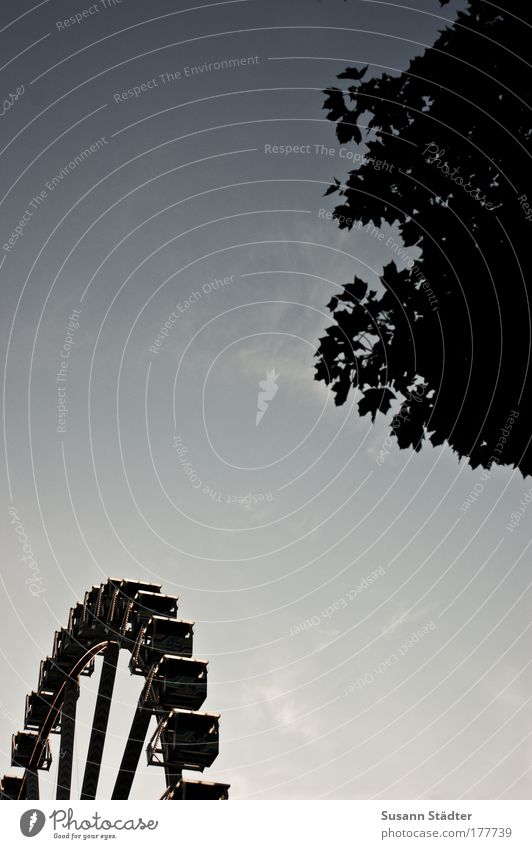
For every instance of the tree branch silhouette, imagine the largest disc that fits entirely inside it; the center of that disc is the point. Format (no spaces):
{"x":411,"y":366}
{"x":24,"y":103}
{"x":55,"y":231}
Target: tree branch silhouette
{"x":456,"y":126}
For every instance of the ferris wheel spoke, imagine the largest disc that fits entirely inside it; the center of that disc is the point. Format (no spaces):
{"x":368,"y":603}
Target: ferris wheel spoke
{"x":132,"y":752}
{"x":32,"y":784}
{"x":99,"y":725}
{"x":68,"y":727}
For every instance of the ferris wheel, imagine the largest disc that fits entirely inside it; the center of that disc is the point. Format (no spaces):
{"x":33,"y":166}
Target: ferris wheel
{"x":120,"y":615}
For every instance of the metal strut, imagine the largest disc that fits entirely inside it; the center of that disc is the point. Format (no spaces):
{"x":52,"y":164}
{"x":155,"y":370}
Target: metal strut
{"x":32,"y":784}
{"x":132,"y":752}
{"x":100,"y":721}
{"x":68,"y":726}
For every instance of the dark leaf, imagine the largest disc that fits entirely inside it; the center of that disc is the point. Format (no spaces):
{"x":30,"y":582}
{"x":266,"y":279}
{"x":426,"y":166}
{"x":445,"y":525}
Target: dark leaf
{"x":347,"y":130}
{"x":333,"y":188}
{"x":354,"y":73}
{"x":358,"y":288}
{"x":375,"y":400}
{"x":335,"y":103}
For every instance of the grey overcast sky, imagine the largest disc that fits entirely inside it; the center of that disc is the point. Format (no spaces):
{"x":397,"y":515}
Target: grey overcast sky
{"x":183,"y":258}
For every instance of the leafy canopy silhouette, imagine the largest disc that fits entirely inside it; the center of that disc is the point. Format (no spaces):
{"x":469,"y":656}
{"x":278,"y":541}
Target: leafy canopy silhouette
{"x":448,"y":336}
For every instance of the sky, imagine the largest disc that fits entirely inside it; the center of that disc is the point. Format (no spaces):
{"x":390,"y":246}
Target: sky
{"x":164,"y":165}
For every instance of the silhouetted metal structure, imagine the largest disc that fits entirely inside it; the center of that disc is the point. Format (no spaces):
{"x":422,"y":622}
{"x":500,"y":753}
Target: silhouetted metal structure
{"x":136,"y":616}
